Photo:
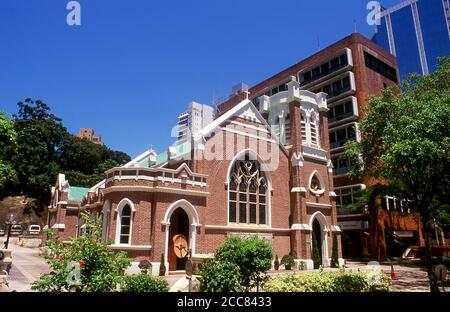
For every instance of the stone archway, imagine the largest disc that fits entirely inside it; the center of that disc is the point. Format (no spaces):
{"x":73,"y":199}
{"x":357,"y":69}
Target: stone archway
{"x":317,"y":235}
{"x":181,"y":218}
{"x":179,"y":225}
{"x":318,"y":225}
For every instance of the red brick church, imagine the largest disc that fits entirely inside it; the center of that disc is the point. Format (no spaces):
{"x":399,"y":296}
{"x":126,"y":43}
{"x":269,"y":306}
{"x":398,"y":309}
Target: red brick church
{"x":262,"y":171}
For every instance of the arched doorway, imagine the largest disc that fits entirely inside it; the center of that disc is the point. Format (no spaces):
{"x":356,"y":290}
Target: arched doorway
{"x":178,"y":231}
{"x":317,"y":244}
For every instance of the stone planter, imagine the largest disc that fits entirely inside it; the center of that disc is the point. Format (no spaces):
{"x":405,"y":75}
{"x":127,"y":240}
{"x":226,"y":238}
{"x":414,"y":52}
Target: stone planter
{"x":7,"y":261}
{"x":3,"y":283}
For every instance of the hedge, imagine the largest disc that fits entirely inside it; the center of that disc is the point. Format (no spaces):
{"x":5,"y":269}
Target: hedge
{"x":143,"y":283}
{"x":329,"y":282}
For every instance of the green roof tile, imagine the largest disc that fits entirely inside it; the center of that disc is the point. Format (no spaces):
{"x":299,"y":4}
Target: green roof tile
{"x":77,"y":193}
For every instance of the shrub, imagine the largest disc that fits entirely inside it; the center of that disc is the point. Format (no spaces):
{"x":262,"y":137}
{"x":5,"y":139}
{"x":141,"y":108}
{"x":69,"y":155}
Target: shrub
{"x":276,"y":263}
{"x":85,"y":264}
{"x":253,"y":256}
{"x":315,"y":249}
{"x":143,"y":283}
{"x":288,"y":262}
{"x":162,"y":266}
{"x":328,"y":282}
{"x":334,"y":253}
{"x":220,"y":276}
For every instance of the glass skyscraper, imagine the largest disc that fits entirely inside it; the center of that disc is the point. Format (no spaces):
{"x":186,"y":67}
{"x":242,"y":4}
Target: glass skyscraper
{"x":417,"y":32}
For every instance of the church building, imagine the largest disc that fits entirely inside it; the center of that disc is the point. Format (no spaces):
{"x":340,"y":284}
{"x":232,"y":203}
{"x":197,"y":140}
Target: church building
{"x":263,"y":171}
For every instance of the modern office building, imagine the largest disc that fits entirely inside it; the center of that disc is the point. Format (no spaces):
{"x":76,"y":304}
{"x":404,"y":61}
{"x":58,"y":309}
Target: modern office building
{"x":195,"y":118}
{"x":90,"y":135}
{"x":417,"y":32}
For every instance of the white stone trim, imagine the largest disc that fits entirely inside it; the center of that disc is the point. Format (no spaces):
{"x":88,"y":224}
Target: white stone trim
{"x":322,"y":185}
{"x":324,"y":227}
{"x":159,"y":178}
{"x":297,"y":160}
{"x":301,"y":227}
{"x":59,"y":226}
{"x":245,"y":228}
{"x":151,"y":189}
{"x":335,"y":228}
{"x":298,"y":189}
{"x":249,"y":135}
{"x":156,"y":170}
{"x":262,"y":129}
{"x":124,"y":202}
{"x":194,"y":221}
{"x":131,"y":247}
{"x":362,"y":186}
{"x":317,"y":205}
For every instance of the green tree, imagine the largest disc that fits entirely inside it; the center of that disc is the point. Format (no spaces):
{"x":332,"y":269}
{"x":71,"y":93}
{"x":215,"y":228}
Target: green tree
{"x":405,"y":140}
{"x":334,"y":253}
{"x":253,"y":256}
{"x":79,"y":178}
{"x":315,"y":250}
{"x":8,"y":149}
{"x":220,"y":276}
{"x":81,"y":155}
{"x":100,"y":269}
{"x":39,"y":138}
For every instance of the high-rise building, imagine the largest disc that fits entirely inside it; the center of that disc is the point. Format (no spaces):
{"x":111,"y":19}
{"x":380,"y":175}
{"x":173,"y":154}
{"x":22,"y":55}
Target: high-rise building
{"x":348,"y":71}
{"x":195,"y":118}
{"x":89,"y":134}
{"x":417,"y":32}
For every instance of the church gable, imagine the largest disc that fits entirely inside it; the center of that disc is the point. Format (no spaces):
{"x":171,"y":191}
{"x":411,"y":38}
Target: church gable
{"x":242,"y":120}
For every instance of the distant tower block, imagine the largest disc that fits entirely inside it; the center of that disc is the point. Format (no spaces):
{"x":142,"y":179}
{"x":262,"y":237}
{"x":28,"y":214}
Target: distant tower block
{"x":89,"y":134}
{"x":195,"y":118}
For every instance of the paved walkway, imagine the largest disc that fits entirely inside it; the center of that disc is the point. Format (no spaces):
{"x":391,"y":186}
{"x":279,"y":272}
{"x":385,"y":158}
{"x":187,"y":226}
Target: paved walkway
{"x":27,"y":266}
{"x":411,"y":278}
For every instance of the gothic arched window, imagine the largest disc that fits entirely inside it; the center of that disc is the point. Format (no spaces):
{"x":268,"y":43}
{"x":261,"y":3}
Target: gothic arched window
{"x":247,"y":193}
{"x":125,"y":224}
{"x":316,"y":184}
{"x":309,"y":127}
{"x":314,"y":126}
{"x":303,"y":128}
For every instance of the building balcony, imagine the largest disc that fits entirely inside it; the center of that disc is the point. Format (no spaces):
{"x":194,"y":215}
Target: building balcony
{"x":309,"y":77}
{"x":341,"y":171}
{"x":339,"y":144}
{"x":181,"y":180}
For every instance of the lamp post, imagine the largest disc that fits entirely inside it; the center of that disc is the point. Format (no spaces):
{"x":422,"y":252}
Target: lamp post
{"x":10,"y":220}
{"x":189,"y":269}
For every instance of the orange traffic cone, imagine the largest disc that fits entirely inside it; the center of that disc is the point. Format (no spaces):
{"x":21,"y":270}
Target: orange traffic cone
{"x":393,"y":275}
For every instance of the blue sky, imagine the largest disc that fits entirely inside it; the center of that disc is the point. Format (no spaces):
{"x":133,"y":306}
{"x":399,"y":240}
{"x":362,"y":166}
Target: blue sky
{"x":133,"y":65}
